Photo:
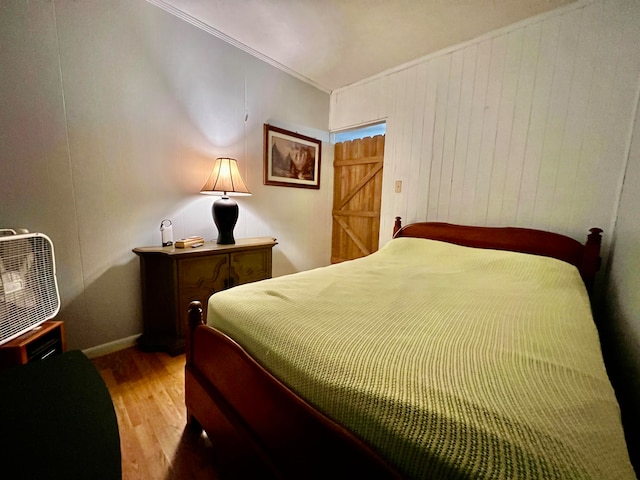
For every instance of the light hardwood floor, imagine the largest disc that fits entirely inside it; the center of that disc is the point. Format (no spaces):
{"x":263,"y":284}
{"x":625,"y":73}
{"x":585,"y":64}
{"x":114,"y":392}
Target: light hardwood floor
{"x":148,"y":394}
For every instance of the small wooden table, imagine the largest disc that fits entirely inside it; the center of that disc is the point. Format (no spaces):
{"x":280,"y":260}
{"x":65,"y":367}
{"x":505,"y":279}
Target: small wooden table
{"x":37,"y":344}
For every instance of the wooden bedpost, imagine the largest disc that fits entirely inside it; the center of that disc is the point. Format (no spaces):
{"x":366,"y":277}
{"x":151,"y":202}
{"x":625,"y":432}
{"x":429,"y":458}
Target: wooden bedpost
{"x":591,"y":257}
{"x":397,"y":225}
{"x":194,"y":320}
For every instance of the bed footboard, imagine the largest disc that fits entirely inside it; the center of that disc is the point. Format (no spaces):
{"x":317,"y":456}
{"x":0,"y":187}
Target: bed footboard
{"x":239,"y":403}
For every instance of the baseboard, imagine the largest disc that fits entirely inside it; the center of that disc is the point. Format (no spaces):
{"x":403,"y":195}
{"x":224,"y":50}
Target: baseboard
{"x":111,"y":347}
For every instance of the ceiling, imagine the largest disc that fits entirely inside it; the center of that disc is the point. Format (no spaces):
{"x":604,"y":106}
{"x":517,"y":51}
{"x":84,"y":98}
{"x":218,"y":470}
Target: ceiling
{"x":334,"y":43}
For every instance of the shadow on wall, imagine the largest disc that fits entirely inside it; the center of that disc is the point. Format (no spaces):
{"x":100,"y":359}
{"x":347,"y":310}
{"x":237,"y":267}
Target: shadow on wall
{"x":108,"y":309}
{"x":622,"y":355}
{"x":283,"y":263}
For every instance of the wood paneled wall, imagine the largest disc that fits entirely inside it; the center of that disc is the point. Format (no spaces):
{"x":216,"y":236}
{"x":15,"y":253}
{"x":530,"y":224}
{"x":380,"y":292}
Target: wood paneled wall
{"x":528,"y":126}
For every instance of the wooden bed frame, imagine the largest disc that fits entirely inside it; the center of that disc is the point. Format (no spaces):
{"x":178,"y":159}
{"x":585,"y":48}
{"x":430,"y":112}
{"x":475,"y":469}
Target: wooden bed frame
{"x":254,"y":419}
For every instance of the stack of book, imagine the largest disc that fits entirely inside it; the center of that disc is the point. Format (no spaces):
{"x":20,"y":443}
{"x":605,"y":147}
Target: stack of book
{"x":194,"y":241}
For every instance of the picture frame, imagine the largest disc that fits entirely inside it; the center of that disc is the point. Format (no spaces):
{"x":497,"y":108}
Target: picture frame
{"x":291,"y":159}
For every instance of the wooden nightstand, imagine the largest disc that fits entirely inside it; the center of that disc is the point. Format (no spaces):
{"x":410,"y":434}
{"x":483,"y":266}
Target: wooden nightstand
{"x":37,"y":344}
{"x":173,"y":277}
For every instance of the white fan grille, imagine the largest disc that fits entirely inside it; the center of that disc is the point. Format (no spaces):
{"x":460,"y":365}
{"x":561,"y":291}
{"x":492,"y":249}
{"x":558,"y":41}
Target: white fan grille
{"x":28,"y":286}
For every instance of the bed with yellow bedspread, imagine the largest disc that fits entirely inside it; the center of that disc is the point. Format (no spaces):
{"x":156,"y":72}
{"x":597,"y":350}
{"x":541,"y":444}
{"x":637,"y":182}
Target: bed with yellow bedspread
{"x":451,"y":361}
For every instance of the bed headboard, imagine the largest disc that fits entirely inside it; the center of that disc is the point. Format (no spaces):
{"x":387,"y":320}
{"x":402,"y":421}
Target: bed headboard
{"x":526,"y":240}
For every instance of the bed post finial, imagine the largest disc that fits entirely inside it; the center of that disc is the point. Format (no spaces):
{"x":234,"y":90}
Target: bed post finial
{"x":397,"y":225}
{"x":194,"y":319}
{"x":595,"y":235}
{"x":591,"y":257}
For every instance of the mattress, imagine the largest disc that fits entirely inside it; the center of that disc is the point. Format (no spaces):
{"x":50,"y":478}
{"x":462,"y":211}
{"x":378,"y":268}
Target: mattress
{"x":452,"y":362}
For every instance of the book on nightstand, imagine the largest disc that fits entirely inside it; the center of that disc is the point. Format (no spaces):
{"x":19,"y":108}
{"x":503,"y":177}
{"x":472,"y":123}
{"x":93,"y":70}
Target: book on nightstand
{"x":189,"y":242}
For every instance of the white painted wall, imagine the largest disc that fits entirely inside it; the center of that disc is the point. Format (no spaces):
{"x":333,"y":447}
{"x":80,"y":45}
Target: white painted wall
{"x":111,"y":115}
{"x":528,"y":126}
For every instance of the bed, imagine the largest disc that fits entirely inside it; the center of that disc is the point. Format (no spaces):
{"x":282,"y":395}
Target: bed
{"x":452,"y":352}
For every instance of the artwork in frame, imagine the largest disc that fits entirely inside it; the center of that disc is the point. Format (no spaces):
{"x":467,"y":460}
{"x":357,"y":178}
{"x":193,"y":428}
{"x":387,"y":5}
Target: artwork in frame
{"x":291,"y":159}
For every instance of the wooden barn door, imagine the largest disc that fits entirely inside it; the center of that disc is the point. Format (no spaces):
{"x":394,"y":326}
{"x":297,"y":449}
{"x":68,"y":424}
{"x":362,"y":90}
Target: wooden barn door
{"x":357,"y":192}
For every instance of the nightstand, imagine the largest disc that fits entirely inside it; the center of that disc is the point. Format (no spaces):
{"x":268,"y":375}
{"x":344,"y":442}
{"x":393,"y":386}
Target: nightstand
{"x":173,"y":277}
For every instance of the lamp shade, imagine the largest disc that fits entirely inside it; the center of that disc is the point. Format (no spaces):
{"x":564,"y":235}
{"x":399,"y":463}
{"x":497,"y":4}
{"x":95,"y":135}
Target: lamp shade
{"x":225,"y":180}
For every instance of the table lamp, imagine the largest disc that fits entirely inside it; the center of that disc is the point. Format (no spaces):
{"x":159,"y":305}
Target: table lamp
{"x":225,"y":180}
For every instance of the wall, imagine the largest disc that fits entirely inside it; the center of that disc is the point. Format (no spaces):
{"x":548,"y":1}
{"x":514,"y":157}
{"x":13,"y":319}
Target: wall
{"x":111,"y":116}
{"x":528,"y":126}
{"x":623,"y":297}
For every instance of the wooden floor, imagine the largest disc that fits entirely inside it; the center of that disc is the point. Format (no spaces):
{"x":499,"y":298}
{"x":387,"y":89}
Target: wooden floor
{"x":148,"y":394}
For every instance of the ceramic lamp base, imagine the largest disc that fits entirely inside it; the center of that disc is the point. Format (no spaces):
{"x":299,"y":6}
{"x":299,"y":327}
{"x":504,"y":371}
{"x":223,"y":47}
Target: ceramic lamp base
{"x":225,"y":216}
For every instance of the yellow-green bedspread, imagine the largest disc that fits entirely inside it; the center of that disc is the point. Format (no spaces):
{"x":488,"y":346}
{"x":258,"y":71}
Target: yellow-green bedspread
{"x":453,"y":362}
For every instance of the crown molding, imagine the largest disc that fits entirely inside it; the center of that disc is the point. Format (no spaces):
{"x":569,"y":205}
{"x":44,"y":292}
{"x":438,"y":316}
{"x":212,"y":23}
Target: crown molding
{"x":232,"y":41}
{"x":578,"y":4}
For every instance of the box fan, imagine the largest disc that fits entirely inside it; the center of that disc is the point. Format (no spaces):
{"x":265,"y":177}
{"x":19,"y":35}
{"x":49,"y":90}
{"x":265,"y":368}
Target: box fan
{"x":28,"y":285}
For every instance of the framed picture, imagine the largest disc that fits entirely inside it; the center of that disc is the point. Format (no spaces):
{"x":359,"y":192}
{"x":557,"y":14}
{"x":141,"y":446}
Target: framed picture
{"x":291,"y":159}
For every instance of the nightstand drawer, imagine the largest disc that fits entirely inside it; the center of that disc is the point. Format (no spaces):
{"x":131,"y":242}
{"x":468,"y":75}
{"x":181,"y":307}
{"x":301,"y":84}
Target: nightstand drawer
{"x":202,"y":275}
{"x":250,"y":266}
